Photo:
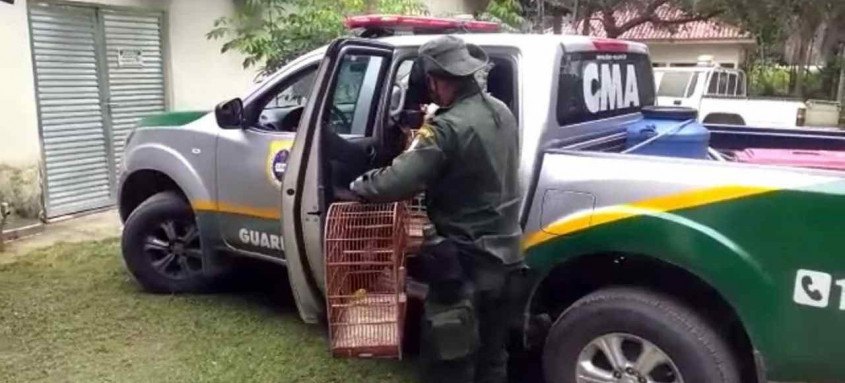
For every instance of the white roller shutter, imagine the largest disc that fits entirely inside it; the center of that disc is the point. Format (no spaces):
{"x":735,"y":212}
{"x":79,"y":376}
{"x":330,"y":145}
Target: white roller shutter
{"x":68,"y":88}
{"x":135,"y":70}
{"x":97,"y":72}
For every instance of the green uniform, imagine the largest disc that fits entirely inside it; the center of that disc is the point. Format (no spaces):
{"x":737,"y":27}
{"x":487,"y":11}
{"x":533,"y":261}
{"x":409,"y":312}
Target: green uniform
{"x":466,"y":161}
{"x":467,"y":166}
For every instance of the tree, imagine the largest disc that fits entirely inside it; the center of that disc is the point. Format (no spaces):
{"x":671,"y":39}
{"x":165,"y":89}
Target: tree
{"x":272,"y":32}
{"x":508,"y":12}
{"x":607,"y":13}
{"x":815,"y":26}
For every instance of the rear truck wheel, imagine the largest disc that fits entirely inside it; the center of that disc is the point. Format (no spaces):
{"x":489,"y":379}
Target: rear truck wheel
{"x":161,"y":246}
{"x":631,"y":335}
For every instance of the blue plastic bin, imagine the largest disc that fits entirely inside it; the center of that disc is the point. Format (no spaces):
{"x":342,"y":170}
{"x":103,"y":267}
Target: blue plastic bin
{"x":689,"y":141}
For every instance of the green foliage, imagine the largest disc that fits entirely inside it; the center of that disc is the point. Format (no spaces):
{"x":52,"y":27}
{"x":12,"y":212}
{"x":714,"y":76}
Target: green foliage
{"x":769,"y":80}
{"x":509,"y":12}
{"x":272,"y":32}
{"x":774,"y":81}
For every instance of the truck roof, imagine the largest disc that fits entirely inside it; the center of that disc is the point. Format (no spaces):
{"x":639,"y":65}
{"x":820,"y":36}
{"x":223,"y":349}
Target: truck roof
{"x":424,"y":28}
{"x":697,"y":68}
{"x":683,"y":69}
{"x":572,"y":43}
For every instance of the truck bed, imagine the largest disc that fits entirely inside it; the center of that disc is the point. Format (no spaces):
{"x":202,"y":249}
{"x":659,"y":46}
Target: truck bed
{"x":726,"y":139}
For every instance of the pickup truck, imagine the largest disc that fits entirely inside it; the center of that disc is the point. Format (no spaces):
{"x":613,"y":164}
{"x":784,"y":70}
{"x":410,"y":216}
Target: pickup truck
{"x":641,"y":268}
{"x":720,"y":95}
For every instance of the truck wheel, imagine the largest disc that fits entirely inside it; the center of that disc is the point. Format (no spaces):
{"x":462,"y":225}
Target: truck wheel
{"x":635,"y":336}
{"x":161,"y":246}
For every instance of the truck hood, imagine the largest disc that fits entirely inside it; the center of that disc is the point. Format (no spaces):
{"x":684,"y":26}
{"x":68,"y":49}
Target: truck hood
{"x":177,"y":118}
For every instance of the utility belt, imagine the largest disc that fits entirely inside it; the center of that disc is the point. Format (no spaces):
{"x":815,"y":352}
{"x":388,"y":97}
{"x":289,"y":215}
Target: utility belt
{"x":456,"y":274}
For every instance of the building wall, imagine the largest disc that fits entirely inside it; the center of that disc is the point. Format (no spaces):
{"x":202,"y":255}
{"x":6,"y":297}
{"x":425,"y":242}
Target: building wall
{"x":200,"y":76}
{"x":687,"y":53}
{"x":19,"y":146}
{"x":454,"y":7}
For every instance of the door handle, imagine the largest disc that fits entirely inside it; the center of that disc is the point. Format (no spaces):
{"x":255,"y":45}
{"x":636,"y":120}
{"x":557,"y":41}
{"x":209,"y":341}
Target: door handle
{"x":316,"y":212}
{"x":677,"y":102}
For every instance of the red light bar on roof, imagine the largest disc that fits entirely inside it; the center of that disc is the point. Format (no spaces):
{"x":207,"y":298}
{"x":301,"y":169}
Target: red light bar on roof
{"x":396,"y":22}
{"x":610,"y":45}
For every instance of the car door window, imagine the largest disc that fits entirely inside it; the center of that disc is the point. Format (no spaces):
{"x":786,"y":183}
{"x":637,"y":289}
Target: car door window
{"x":693,"y":83}
{"x":296,"y":94}
{"x":354,"y":94}
{"x":713,"y":87}
{"x":674,"y":84}
{"x":282,"y":109}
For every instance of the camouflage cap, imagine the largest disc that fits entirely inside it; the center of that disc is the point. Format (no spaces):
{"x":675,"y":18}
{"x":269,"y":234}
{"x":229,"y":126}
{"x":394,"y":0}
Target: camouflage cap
{"x":452,"y":56}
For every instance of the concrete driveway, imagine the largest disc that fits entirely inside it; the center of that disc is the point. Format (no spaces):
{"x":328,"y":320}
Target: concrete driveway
{"x":88,"y":227}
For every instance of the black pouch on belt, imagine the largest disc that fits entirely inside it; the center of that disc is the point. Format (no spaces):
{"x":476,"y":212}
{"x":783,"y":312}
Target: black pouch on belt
{"x":451,"y":329}
{"x":442,"y":270}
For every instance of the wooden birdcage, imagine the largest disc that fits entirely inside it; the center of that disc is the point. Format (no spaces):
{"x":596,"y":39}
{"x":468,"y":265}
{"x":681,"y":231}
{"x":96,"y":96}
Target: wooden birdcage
{"x":365,"y":281}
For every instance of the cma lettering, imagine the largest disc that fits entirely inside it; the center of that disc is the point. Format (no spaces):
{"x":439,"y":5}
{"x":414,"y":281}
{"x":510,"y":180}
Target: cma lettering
{"x":610,"y":94}
{"x":261,"y":239}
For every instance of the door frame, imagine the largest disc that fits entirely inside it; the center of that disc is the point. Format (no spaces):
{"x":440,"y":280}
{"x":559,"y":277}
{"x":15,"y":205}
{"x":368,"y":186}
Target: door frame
{"x":305,"y":269}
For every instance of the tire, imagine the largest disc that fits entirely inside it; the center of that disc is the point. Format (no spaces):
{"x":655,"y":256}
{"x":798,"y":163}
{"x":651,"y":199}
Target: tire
{"x":161,"y":246}
{"x":682,"y":343}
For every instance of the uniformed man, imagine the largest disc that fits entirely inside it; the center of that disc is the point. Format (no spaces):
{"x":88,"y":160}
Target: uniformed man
{"x":465,"y":159}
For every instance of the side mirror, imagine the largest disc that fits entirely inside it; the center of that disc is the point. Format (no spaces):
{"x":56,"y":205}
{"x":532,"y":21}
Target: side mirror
{"x":230,"y":114}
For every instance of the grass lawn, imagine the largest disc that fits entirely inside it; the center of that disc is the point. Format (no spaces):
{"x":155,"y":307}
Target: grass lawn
{"x":72,"y":313}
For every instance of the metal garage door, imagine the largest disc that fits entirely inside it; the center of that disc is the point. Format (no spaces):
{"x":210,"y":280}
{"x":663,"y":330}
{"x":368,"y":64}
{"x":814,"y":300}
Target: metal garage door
{"x":73,"y":136}
{"x":136,"y":75}
{"x":97,"y":72}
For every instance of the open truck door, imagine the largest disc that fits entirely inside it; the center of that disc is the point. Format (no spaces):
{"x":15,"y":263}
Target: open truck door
{"x":335,"y":143}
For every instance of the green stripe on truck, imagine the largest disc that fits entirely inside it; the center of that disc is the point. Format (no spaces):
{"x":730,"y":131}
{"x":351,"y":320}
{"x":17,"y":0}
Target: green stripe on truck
{"x":749,"y":249}
{"x":171,"y":118}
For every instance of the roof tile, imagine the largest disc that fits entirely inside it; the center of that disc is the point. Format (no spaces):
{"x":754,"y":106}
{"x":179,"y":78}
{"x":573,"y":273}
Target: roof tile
{"x":692,"y":31}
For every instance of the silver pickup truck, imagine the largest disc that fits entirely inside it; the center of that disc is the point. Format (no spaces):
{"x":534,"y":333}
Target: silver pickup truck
{"x":642,"y":268}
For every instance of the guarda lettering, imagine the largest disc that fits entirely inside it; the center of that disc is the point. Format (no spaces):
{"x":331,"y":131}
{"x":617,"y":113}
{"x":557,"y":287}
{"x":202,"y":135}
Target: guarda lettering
{"x":611,"y":93}
{"x":261,"y":239}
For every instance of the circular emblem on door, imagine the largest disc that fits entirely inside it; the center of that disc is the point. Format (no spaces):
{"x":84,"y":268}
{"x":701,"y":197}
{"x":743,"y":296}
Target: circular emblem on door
{"x":280,"y":164}
{"x":277,"y":161}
